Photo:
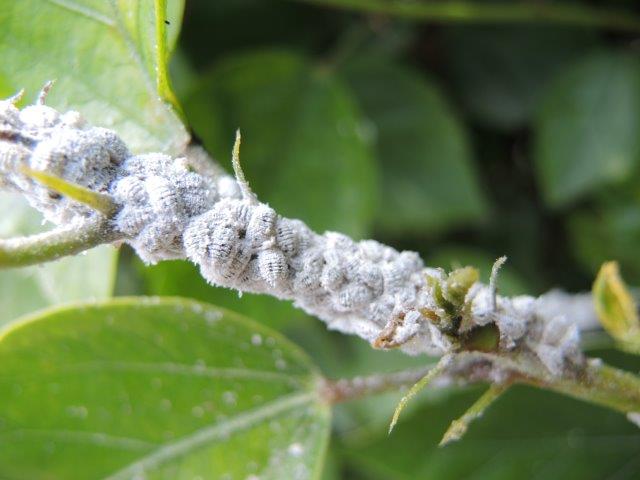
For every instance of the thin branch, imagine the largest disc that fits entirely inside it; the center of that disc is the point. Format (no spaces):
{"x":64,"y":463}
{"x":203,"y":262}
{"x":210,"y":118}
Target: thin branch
{"x":418,"y":386}
{"x":459,"y":426}
{"x":498,"y":12}
{"x":54,"y":244}
{"x":348,"y":389}
{"x":598,"y":384}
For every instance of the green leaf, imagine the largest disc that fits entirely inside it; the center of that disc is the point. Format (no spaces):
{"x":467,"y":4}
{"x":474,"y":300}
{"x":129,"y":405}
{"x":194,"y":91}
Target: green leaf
{"x":181,"y":278}
{"x":617,"y":311}
{"x":156,"y":389}
{"x":428,"y":177}
{"x":587,"y":129}
{"x":303,"y":150}
{"x":499,"y":72}
{"x":99,"y":202}
{"x":214,"y":29}
{"x":516,"y":439}
{"x":23,"y":290}
{"x":108,"y":59}
{"x":605,"y":232}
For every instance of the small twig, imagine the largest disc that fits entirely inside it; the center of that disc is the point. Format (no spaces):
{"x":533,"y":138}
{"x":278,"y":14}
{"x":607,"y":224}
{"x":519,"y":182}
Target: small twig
{"x":597,"y":384}
{"x":99,"y":202}
{"x":16,"y":97}
{"x":493,"y":281}
{"x":348,"y":389}
{"x":459,"y":426}
{"x":55,"y":244}
{"x":42,"y":96}
{"x":247,"y":193}
{"x":419,"y":385}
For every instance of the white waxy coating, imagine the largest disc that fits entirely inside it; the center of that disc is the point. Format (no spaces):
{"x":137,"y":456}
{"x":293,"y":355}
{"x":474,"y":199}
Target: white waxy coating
{"x":168,"y":210}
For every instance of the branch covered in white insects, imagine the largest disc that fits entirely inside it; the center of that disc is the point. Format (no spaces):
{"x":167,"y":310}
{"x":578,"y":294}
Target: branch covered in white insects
{"x":189,"y":208}
{"x":167,"y":209}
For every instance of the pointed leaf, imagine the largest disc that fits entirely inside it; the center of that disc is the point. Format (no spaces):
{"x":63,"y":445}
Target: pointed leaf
{"x":617,"y":311}
{"x":459,"y":427}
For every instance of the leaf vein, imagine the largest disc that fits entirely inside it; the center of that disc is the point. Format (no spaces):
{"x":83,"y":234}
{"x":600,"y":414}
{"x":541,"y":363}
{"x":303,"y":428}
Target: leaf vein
{"x":243,"y":421}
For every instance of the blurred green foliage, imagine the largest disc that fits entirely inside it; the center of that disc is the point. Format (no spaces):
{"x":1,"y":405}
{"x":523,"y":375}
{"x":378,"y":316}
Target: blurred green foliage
{"x":463,"y":141}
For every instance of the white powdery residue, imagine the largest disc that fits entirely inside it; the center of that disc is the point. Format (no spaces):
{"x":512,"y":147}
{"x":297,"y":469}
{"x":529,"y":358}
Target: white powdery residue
{"x":634,"y":417}
{"x":579,"y":307}
{"x":189,"y":208}
{"x":41,"y":139}
{"x":556,"y":342}
{"x":295,"y":449}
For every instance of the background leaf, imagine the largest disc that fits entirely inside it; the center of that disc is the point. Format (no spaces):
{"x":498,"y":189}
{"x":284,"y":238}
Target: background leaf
{"x":499,"y":72}
{"x":101,"y":55}
{"x":302,"y":137}
{"x":428,"y":177}
{"x":587,"y":130}
{"x":156,"y":388}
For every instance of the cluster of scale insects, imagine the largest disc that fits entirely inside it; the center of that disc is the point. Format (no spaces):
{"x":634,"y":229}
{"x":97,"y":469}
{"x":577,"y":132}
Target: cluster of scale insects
{"x":172,"y":209}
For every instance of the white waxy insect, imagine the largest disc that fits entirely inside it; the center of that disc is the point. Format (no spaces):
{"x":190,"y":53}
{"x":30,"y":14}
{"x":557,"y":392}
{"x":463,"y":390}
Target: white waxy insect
{"x":371,"y":276}
{"x":308,"y":277}
{"x":287,"y":237}
{"x":273,"y":267}
{"x":261,"y":225}
{"x":332,"y":277}
{"x":353,"y":297}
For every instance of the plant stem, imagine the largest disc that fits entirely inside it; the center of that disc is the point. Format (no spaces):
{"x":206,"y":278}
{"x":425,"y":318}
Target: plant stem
{"x":347,"y":389}
{"x":599,"y":384}
{"x":596,"y":383}
{"x":52,"y":245}
{"x":466,"y":11}
{"x":459,"y":426}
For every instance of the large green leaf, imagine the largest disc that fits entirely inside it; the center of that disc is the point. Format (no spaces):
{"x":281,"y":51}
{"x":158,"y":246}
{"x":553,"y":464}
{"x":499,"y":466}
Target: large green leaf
{"x":428,"y":175}
{"x":108,"y":59}
{"x":156,"y":389}
{"x":215,"y":28}
{"x":23,"y":290}
{"x":527,"y":435}
{"x":303,"y":147}
{"x":587,"y":129}
{"x":499,"y":72}
{"x":607,"y":233}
